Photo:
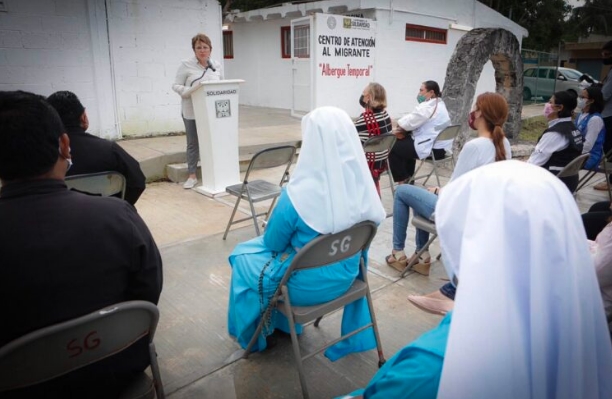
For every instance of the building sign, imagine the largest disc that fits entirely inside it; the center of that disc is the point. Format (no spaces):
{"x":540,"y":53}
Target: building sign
{"x":344,"y":51}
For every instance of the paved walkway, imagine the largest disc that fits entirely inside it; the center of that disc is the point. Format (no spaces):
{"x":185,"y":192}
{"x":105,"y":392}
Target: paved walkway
{"x":194,"y":348}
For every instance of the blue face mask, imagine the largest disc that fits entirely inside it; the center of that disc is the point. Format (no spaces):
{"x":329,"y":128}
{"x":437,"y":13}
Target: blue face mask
{"x":421,"y":98}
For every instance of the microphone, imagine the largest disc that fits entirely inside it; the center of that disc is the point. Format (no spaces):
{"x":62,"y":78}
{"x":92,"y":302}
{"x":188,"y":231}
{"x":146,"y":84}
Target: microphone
{"x":210,"y":65}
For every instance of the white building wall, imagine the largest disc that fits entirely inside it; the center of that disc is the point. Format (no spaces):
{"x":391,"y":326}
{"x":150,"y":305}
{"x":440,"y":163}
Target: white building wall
{"x":45,"y":46}
{"x":258,"y":60}
{"x":148,"y":41}
{"x":401,"y":66}
{"x":123,"y":72}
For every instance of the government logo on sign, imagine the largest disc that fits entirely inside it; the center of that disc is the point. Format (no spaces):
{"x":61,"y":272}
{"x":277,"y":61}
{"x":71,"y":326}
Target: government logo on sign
{"x":331,"y":22}
{"x":346,"y":22}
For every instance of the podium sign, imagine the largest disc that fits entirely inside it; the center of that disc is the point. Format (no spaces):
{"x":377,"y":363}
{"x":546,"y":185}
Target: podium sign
{"x":215,"y":104}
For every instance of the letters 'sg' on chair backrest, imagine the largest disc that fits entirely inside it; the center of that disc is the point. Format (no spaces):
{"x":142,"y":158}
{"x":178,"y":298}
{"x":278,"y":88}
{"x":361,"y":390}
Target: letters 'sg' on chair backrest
{"x":379,"y":144}
{"x":331,"y":248}
{"x":105,"y":184}
{"x":449,"y":133}
{"x":259,"y":190}
{"x":56,"y":350}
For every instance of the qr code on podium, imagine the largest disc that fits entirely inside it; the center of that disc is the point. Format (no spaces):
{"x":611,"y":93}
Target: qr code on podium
{"x":223,"y":108}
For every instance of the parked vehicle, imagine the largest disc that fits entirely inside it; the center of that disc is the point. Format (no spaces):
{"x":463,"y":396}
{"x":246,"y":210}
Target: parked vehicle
{"x":540,"y":81}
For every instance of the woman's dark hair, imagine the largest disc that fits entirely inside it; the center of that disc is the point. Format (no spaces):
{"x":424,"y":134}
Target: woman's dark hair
{"x":569,"y":102}
{"x":431,"y":85}
{"x":607,"y":46}
{"x":598,"y":102}
{"x":494,"y":110}
{"x":30,"y":130}
{"x":68,"y":106}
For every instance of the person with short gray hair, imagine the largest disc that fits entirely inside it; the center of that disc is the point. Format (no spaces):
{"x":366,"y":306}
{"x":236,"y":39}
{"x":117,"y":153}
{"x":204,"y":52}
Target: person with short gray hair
{"x":192,"y":70}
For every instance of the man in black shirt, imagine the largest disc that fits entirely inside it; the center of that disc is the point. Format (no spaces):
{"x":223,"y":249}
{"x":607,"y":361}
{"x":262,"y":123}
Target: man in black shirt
{"x":64,"y":254}
{"x":92,"y":154}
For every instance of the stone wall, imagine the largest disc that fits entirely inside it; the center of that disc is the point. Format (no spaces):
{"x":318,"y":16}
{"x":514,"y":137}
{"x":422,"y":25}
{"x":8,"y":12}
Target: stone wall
{"x":473,"y":50}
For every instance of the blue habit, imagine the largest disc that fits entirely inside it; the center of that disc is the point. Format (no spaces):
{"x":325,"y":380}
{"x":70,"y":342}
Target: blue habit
{"x":414,"y":372}
{"x":252,"y":286}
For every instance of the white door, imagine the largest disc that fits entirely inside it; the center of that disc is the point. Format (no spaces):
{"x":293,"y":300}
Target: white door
{"x":301,"y":60}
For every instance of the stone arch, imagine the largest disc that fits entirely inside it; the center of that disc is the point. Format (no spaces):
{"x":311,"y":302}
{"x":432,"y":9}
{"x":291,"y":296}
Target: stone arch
{"x":472,"y":52}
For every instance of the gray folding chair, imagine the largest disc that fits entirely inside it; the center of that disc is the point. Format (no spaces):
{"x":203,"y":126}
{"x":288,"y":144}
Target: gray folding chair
{"x":105,"y":184}
{"x":449,"y":133}
{"x":261,"y":190}
{"x":322,"y":251}
{"x":573,"y":168}
{"x":53,"y":351}
{"x":381,"y":146}
{"x":428,"y":226}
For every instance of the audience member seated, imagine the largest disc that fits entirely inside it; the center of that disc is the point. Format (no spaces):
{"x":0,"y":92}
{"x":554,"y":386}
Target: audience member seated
{"x":561,"y":143}
{"x":591,"y":125}
{"x":374,"y":121}
{"x":65,"y":254}
{"x":489,"y":115}
{"x":330,"y":190}
{"x":417,"y":131}
{"x":92,"y":154}
{"x":512,"y":333}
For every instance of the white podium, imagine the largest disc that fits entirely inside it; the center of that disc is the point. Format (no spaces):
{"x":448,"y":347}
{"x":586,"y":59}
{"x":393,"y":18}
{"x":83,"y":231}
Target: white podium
{"x":215,"y":104}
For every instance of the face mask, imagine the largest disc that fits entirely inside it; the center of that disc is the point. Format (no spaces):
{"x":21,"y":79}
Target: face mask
{"x":607,"y":61}
{"x":582,"y":103}
{"x":69,"y":160}
{"x":548,"y":109}
{"x":471,"y":120}
{"x":421,"y":98}
{"x":362,"y":103}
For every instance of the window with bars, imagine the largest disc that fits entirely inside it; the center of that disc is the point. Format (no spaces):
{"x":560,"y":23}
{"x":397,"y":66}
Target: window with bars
{"x":301,"y":41}
{"x":419,"y":33}
{"x":228,"y":44}
{"x":285,"y":42}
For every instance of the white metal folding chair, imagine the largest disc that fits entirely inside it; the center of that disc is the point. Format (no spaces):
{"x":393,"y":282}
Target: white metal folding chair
{"x":381,"y":145}
{"x":322,"y":251}
{"x":105,"y":184}
{"x":260,"y":190}
{"x":53,"y":351}
{"x":449,"y":133}
{"x":572,"y":169}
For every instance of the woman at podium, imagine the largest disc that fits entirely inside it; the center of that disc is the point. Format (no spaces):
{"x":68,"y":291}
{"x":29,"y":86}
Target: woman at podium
{"x":193,"y":70}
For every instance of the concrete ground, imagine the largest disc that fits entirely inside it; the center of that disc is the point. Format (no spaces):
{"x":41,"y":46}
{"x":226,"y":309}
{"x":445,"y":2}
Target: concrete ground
{"x":192,"y":341}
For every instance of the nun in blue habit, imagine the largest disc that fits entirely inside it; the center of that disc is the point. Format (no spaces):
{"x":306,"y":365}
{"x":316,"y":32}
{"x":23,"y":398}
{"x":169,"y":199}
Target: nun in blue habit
{"x":514,"y":332}
{"x":330,"y":190}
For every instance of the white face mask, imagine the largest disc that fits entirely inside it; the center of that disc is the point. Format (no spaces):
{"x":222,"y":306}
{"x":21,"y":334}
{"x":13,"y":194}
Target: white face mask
{"x":581,"y":103}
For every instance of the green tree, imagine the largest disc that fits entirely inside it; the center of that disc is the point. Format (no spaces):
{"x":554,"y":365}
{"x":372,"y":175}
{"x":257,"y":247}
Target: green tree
{"x":594,"y":17}
{"x":546,"y":20}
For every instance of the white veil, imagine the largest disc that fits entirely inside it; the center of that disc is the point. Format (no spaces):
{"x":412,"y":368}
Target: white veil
{"x":528,"y":319}
{"x":331,"y":187}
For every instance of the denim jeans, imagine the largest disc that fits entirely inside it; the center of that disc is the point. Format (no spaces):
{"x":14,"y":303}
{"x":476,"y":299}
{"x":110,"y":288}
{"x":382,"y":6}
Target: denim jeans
{"x":448,"y":290}
{"x":423,"y":204}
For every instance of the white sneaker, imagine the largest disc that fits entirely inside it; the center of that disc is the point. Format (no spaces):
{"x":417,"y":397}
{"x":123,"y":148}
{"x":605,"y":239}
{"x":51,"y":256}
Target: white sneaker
{"x":190,"y":183}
